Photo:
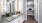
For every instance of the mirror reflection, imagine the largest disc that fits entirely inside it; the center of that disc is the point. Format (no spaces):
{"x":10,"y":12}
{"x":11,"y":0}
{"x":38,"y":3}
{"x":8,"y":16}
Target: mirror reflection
{"x":9,"y":7}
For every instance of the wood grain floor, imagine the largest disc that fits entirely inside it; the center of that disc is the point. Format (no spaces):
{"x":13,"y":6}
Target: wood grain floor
{"x":30,"y":19}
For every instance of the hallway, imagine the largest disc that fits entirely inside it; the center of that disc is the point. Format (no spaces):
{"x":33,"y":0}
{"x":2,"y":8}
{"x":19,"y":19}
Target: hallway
{"x":30,"y":19}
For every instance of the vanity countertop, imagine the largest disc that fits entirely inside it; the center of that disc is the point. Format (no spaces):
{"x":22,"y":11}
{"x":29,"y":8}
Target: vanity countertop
{"x":11,"y":17}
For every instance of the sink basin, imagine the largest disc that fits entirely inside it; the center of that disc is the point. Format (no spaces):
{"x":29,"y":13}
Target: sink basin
{"x":11,"y":17}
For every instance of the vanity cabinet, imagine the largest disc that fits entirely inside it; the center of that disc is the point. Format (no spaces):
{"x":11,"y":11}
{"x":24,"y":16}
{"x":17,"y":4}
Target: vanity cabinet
{"x":16,"y":20}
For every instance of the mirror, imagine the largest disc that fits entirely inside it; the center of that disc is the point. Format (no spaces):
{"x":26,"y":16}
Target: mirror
{"x":7,"y":0}
{"x":9,"y":7}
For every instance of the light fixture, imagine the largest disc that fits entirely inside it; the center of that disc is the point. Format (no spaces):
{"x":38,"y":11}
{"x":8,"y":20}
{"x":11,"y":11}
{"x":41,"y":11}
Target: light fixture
{"x":30,"y":2}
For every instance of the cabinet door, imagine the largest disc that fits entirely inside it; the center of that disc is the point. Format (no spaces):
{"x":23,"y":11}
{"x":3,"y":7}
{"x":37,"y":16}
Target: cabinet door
{"x":14,"y":21}
{"x":4,"y":21}
{"x":20,"y":19}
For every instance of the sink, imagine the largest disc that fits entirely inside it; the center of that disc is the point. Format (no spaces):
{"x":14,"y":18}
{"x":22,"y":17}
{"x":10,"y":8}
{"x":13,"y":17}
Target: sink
{"x":11,"y":17}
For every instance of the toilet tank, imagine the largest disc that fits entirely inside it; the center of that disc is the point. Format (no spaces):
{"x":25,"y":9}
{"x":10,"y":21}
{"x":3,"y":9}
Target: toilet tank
{"x":30,"y":12}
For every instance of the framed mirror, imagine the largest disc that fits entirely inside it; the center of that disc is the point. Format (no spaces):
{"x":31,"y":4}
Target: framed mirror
{"x":9,"y":7}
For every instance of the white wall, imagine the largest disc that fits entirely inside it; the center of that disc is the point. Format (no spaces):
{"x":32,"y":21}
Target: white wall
{"x":19,"y":5}
{"x":1,"y":10}
{"x":40,"y":11}
{"x":35,"y":9}
{"x":25,"y":9}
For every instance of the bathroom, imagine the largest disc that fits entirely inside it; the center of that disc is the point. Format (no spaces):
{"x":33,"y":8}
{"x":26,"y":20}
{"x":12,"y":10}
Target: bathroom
{"x":18,"y":11}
